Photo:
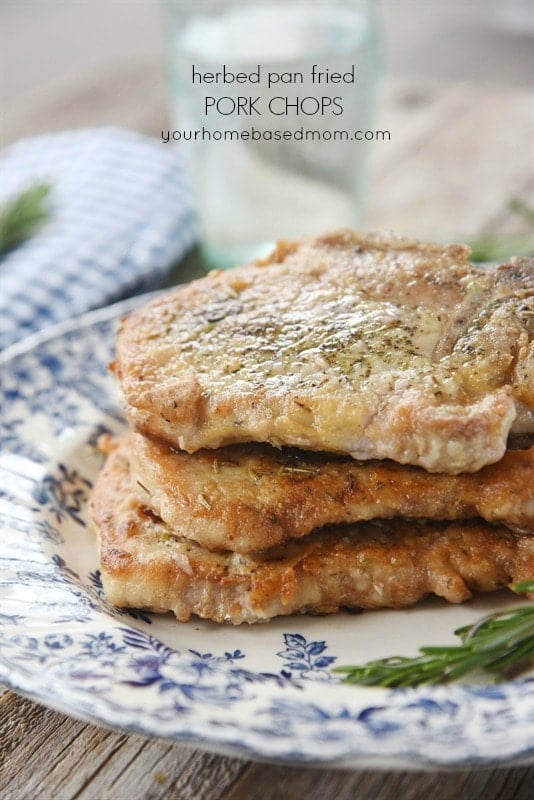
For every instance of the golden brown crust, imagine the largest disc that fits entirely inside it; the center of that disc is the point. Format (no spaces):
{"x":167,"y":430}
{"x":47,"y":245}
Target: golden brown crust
{"x":146,"y":564}
{"x":250,"y":497}
{"x":375,"y":346}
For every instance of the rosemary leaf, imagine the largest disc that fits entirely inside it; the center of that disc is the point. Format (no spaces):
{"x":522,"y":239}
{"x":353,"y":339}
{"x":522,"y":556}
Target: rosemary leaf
{"x":502,"y":247}
{"x":523,"y":587}
{"x":500,"y":645}
{"x":518,"y":206}
{"x":21,"y":217}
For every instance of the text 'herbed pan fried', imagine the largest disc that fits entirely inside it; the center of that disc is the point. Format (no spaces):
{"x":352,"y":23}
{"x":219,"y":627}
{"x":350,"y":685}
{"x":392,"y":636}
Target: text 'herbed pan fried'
{"x":348,"y":423}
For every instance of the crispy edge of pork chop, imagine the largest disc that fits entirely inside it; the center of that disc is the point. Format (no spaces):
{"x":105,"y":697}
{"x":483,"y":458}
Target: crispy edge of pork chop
{"x":272,"y":352}
{"x":146,"y":564}
{"x":251,"y":497}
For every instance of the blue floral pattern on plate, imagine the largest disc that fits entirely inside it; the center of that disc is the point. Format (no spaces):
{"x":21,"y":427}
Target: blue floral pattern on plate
{"x":264,"y":691}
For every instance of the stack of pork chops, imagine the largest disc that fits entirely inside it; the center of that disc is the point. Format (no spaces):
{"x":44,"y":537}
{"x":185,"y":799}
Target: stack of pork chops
{"x":345,"y":424}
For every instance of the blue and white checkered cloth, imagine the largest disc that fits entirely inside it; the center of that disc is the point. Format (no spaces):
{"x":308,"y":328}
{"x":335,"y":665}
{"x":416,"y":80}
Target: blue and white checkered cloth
{"x":122,"y":215}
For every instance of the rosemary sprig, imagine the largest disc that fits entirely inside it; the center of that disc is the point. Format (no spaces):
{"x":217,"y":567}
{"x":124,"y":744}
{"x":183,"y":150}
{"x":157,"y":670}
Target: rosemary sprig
{"x":21,"y":217}
{"x":501,"y":645}
{"x":518,"y":206}
{"x":502,"y":247}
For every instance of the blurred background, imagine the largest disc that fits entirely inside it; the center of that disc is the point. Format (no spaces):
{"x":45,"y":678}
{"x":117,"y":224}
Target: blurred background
{"x":70,"y":63}
{"x":75,"y":63}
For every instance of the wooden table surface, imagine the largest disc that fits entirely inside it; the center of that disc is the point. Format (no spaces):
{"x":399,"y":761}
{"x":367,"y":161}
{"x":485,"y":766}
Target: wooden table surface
{"x":456,"y":157}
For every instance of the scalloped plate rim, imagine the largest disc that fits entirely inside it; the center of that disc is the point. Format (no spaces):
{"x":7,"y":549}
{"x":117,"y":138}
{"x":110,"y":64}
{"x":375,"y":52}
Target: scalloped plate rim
{"x":350,"y":753}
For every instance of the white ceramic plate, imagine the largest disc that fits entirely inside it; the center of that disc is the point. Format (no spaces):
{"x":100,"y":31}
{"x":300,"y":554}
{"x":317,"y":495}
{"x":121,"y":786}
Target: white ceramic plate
{"x":262,"y":691}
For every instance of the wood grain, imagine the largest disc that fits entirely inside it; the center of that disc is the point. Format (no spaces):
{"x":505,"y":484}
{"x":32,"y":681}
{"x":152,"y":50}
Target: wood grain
{"x":281,"y":782}
{"x":49,"y":756}
{"x":449,"y":169}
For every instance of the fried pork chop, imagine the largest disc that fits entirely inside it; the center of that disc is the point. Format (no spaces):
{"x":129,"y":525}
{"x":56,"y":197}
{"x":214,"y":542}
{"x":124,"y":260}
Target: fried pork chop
{"x":251,"y":497}
{"x":147,"y":564}
{"x":374,"y":346}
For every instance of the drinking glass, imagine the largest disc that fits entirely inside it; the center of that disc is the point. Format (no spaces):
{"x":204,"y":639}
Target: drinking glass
{"x":272,"y":109}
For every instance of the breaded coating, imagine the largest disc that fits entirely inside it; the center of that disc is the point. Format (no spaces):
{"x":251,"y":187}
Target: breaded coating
{"x":250,"y":497}
{"x":147,"y":564}
{"x":373,"y":346}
